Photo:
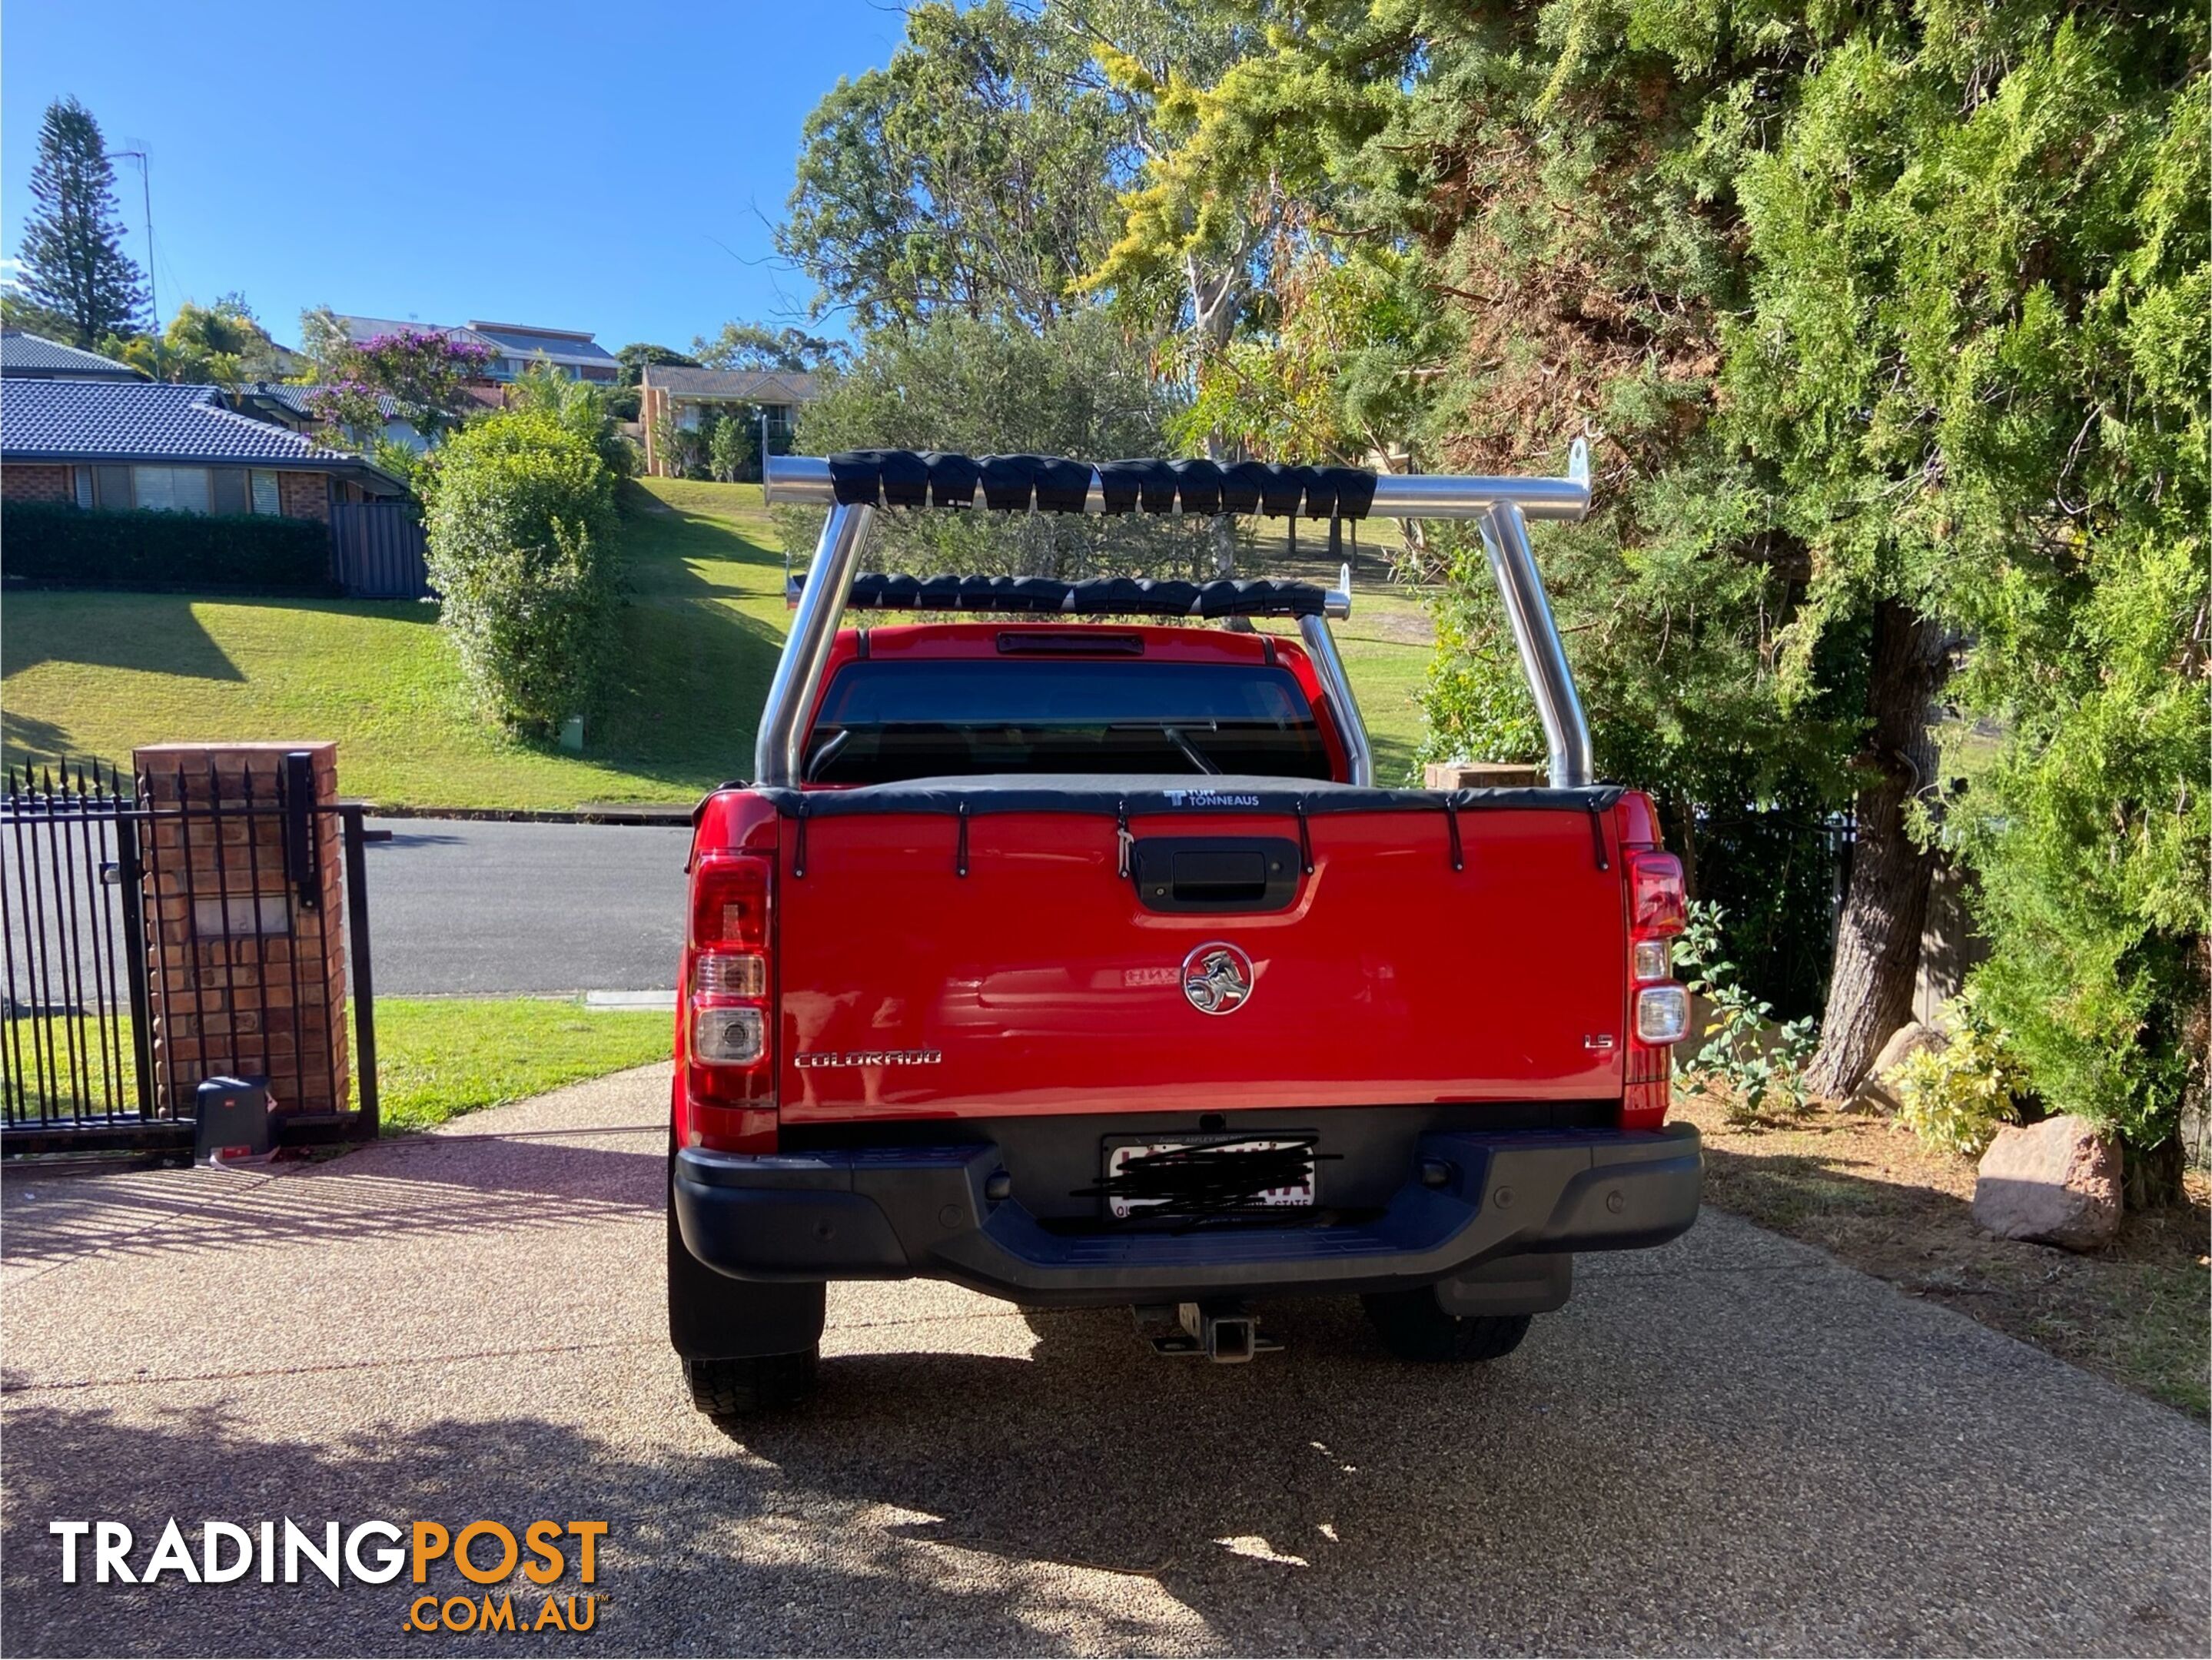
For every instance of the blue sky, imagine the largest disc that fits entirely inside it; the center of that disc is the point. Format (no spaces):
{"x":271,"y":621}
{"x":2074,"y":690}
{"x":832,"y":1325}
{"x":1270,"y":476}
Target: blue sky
{"x":603,"y":166}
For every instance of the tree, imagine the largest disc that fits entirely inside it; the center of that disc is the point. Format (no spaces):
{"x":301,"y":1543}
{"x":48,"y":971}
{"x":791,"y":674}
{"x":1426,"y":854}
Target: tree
{"x":522,"y":549}
{"x":975,"y":173}
{"x":1975,"y":265}
{"x":1077,"y":387}
{"x":221,"y":345}
{"x":74,"y":267}
{"x":751,"y":346}
{"x":583,"y":407}
{"x":635,"y":356}
{"x":425,"y":372}
{"x":729,"y":448}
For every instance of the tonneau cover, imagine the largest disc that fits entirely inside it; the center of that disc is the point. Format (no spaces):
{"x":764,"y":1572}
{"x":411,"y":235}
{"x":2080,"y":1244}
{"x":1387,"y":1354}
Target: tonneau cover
{"x":1136,"y":794}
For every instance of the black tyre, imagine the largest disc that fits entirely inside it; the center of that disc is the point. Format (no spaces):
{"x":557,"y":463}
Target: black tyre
{"x":1414,"y":1328}
{"x":732,"y":1391}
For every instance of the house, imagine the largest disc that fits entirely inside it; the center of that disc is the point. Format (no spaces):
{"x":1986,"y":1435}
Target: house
{"x":294,"y":408}
{"x":514,"y":346}
{"x":183,"y":449}
{"x":767,"y":399}
{"x":576,"y":354}
{"x":25,"y":356}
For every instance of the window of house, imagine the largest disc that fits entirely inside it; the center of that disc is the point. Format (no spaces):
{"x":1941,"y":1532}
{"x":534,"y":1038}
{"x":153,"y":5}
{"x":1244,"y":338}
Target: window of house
{"x":170,"y":490}
{"x":82,"y":479}
{"x":266,"y":498}
{"x":111,"y":488}
{"x":227,"y":487}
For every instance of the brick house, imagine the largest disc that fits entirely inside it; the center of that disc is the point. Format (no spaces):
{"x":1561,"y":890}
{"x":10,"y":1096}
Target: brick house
{"x":180,"y":449}
{"x":766,"y":400}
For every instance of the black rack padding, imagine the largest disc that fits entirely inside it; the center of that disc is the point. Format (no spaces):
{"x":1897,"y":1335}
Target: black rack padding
{"x":1097,"y":596}
{"x":1053,"y":484}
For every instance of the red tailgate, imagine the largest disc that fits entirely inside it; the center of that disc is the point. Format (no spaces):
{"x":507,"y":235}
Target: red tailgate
{"x":1038,"y":982}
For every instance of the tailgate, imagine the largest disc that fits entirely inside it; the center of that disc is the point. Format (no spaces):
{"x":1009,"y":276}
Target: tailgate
{"x":1039,"y":982}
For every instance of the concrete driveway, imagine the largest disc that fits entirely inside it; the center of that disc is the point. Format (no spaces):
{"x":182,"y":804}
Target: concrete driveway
{"x":1730,"y":1445}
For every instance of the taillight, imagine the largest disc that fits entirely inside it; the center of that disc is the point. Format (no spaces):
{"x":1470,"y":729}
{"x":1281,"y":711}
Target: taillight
{"x":728,"y":1026}
{"x":1658,"y":908}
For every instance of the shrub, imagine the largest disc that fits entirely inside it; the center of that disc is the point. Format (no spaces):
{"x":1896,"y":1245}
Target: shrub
{"x":1956,"y":1098}
{"x":522,"y":547}
{"x":63,"y":546}
{"x":1757,"y":1061}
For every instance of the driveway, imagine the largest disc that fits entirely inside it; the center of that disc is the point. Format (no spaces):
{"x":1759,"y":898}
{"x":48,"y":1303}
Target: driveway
{"x":489,"y":908}
{"x":1731,"y":1444}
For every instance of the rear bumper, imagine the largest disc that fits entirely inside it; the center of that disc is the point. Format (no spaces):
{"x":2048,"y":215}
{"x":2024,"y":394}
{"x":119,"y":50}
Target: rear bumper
{"x":895,"y":1213}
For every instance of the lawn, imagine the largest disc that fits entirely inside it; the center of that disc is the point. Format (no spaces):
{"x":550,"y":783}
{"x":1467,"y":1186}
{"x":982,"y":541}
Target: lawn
{"x":94,"y":674}
{"x":439,"y":1056}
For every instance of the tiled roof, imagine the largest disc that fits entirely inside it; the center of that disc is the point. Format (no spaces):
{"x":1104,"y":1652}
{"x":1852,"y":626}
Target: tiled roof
{"x":738,"y":386}
{"x":96,"y":421}
{"x":298,"y":399}
{"x":34,"y":355}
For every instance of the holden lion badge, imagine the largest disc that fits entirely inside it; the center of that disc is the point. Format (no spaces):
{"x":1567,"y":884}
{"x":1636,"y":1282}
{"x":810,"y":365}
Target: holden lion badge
{"x":1217,"y":977}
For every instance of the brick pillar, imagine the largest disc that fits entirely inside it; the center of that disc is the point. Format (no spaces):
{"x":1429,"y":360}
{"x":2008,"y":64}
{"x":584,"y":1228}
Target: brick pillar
{"x":244,"y":980}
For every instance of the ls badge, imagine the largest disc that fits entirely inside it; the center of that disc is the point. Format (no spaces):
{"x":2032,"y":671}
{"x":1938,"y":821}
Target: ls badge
{"x":1216,"y":978}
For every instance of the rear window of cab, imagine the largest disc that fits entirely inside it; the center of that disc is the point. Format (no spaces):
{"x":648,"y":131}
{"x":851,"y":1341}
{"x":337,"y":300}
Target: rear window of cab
{"x":886,"y":722}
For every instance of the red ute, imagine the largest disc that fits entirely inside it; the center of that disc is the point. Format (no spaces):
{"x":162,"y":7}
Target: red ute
{"x":1083,"y":962}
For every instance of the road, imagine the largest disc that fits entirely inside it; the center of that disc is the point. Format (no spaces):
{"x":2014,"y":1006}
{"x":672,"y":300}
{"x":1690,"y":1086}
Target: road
{"x":1731,"y":1445}
{"x":456,"y":907}
{"x":489,"y":908}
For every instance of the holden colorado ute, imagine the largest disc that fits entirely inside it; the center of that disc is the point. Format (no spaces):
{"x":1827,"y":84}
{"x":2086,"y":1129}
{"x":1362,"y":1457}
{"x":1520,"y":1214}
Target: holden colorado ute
{"x":1066,"y":948}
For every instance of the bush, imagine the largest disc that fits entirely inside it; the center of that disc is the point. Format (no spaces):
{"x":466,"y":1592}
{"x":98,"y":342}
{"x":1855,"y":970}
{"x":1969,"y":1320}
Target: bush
{"x":64,"y":546}
{"x":1756,"y":1061}
{"x":522,"y":547}
{"x":1957,"y":1097}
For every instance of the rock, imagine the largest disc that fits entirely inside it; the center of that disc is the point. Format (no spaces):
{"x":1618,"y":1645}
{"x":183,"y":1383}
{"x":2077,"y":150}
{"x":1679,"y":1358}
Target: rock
{"x":1904,"y":1044}
{"x":2056,"y":1182}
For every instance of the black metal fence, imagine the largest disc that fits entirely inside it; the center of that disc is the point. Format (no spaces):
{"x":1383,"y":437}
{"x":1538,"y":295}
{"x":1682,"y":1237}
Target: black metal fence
{"x":185,"y":928}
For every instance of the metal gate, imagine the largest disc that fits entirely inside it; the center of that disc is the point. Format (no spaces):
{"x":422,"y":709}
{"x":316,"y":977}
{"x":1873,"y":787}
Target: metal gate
{"x":104,"y":891}
{"x":379,"y":551}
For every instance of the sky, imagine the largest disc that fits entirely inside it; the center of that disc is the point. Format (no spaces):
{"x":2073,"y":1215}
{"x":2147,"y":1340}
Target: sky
{"x":610,"y":167}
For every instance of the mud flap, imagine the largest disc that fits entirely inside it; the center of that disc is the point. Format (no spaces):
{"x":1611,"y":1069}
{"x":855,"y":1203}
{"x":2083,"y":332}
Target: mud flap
{"x":712,"y":1317}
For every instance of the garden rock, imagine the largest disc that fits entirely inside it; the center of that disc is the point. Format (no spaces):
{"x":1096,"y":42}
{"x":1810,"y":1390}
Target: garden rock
{"x":1877,"y":1092}
{"x":2057,"y":1183}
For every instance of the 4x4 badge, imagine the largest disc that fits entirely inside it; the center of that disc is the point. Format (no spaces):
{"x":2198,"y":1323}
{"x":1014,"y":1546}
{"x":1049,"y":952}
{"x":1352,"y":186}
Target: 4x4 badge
{"x":1216,"y":978}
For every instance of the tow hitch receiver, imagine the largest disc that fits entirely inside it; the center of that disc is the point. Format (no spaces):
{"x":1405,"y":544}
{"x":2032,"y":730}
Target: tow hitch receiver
{"x":1222,"y":1329}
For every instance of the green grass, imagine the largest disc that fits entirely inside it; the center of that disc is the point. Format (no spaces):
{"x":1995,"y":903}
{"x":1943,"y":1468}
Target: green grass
{"x":440,"y":1056}
{"x":95,"y":674}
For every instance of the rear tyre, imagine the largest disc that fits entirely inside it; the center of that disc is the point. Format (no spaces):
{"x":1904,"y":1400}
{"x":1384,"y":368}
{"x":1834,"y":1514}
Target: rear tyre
{"x":730,"y":1392}
{"x":1414,"y":1328}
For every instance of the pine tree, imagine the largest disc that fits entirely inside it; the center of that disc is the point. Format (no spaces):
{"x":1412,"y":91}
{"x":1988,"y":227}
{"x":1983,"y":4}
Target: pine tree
{"x":72,"y":251}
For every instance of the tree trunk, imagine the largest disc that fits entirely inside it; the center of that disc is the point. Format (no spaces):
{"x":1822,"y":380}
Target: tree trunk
{"x":1886,"y":906}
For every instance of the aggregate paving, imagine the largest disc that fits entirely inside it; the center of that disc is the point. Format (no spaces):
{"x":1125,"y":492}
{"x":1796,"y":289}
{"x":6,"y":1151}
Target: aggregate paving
{"x":1730,"y":1445}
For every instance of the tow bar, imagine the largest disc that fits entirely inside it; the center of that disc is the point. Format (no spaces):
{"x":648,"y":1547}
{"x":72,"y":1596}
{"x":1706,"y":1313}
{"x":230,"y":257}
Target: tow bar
{"x":1222,"y":1329}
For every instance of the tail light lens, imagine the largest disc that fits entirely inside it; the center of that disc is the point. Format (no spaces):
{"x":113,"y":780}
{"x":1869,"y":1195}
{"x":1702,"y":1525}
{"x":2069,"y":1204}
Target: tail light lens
{"x":1658,"y":908}
{"x":726,"y":1033}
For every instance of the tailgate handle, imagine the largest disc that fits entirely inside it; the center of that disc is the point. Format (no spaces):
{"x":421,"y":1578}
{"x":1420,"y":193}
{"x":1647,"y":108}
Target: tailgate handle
{"x":1215,"y":873}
